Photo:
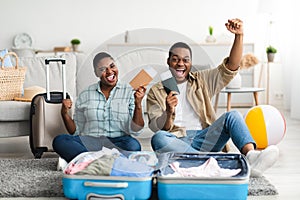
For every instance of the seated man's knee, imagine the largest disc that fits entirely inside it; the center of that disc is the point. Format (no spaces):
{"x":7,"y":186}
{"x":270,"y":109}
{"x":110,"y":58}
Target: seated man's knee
{"x":161,"y":139}
{"x":158,"y":136}
{"x":235,"y":114}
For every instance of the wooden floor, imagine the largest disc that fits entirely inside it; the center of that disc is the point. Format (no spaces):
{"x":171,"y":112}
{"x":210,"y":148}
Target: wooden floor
{"x":285,"y":174}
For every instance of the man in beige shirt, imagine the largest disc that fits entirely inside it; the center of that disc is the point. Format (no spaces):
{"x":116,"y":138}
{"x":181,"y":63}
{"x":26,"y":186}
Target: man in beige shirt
{"x":186,"y":121}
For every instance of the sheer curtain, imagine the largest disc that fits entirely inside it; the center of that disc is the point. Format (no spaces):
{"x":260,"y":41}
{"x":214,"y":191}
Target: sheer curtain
{"x":283,"y":33}
{"x":287,"y":37}
{"x":294,"y":56}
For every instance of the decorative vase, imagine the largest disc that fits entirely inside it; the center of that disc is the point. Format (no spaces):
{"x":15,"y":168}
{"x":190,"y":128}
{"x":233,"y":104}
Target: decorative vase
{"x":236,"y":82}
{"x":270,"y":57}
{"x":75,"y":47}
{"x":210,"y":39}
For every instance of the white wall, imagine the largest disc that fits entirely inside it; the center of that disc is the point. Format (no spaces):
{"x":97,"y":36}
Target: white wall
{"x":55,"y":22}
{"x":294,"y":61}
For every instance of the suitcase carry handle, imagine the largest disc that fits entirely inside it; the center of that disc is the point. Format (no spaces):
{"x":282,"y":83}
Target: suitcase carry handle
{"x":93,"y":196}
{"x":63,"y":61}
{"x":106,"y":184}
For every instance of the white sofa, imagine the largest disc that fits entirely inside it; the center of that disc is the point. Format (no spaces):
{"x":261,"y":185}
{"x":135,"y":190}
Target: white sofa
{"x":15,"y":115}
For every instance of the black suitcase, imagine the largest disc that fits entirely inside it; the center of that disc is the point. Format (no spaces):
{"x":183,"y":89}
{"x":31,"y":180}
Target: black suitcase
{"x":45,"y":114}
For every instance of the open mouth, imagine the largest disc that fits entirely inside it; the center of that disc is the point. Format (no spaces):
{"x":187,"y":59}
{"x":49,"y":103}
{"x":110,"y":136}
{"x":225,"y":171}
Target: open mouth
{"x":180,"y":72}
{"x":111,"y":78}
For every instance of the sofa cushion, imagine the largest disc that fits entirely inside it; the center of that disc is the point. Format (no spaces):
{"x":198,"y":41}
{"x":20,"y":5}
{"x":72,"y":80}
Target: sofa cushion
{"x":14,"y":129}
{"x":14,"y":110}
{"x":36,"y":73}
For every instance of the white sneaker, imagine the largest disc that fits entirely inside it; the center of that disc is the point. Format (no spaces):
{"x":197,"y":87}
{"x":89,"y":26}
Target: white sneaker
{"x":260,"y":161}
{"x":61,"y":164}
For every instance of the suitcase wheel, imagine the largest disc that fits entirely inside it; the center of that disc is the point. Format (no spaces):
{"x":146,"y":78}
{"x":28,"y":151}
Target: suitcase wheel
{"x":39,"y":152}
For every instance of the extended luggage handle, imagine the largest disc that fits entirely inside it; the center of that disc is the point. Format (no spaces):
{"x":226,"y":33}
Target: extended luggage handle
{"x":63,"y":62}
{"x":48,"y":60}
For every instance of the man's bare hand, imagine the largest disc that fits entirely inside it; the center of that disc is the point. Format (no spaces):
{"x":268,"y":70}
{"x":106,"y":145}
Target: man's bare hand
{"x":235,"y":26}
{"x":171,"y":102}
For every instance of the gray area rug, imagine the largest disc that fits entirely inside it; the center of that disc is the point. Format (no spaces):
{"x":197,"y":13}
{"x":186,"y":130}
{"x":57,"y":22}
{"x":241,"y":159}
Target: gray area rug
{"x":39,"y":178}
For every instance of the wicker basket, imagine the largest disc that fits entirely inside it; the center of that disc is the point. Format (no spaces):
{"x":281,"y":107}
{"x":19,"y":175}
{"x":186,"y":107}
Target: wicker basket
{"x":11,"y":79}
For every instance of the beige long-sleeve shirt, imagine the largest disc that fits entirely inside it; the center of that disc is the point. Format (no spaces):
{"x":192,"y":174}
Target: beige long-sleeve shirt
{"x":202,"y":86}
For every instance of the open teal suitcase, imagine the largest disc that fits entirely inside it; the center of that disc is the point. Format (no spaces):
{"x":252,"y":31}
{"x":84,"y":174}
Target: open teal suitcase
{"x":166,"y":188}
{"x":227,"y":188}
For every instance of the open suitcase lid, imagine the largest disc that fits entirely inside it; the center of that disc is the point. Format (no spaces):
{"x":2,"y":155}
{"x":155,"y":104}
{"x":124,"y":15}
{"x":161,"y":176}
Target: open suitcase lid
{"x":187,"y":160}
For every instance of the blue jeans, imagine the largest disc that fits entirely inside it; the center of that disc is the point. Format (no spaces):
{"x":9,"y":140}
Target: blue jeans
{"x":69,"y":146}
{"x":211,"y":139}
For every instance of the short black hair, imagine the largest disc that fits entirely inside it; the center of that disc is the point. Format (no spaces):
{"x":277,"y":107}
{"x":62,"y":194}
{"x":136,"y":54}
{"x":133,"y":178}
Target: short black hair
{"x":99,"y":57}
{"x":179,"y":45}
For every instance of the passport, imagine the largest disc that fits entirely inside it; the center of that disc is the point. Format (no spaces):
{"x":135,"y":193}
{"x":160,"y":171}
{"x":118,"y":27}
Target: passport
{"x":143,"y":78}
{"x":169,"y":82}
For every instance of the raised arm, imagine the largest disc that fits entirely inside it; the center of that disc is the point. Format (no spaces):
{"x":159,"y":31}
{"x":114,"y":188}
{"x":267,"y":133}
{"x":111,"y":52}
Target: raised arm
{"x":235,"y":26}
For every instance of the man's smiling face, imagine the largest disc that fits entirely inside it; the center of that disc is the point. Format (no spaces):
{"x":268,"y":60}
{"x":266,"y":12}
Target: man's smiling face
{"x":180,"y":64}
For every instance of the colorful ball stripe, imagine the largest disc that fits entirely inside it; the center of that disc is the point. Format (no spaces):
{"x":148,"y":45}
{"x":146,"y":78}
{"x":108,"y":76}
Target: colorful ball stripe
{"x":266,"y":125}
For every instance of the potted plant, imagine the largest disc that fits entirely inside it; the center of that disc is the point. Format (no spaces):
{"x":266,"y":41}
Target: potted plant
{"x":211,"y":30}
{"x":75,"y":42}
{"x":210,"y":38}
{"x":271,"y":51}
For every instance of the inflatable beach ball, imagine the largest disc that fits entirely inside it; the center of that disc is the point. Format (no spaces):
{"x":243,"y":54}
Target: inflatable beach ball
{"x":266,"y":125}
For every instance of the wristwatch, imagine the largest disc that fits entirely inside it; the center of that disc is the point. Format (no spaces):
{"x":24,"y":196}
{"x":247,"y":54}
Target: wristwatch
{"x":23,"y":40}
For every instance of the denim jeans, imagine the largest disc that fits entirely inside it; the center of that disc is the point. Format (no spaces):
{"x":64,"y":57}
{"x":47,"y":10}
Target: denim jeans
{"x":69,"y":146}
{"x":211,"y":139}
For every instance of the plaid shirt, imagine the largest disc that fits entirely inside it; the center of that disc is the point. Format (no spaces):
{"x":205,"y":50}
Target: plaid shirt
{"x":95,"y":116}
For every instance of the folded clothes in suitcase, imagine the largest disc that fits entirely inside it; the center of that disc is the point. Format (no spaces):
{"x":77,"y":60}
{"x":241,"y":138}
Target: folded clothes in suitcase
{"x":170,"y":186}
{"x":109,"y":175}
